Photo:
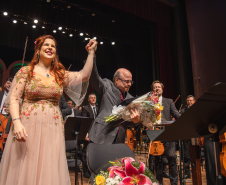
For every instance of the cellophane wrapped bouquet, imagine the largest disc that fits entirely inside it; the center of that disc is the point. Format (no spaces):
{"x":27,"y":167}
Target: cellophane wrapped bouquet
{"x":147,"y":106}
{"x":125,"y":172}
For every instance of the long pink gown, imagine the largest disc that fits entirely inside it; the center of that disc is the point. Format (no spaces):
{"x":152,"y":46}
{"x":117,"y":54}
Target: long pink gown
{"x":41,"y":160}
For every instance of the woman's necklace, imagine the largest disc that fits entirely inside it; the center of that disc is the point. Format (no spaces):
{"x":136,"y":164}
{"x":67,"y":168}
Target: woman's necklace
{"x":46,"y":70}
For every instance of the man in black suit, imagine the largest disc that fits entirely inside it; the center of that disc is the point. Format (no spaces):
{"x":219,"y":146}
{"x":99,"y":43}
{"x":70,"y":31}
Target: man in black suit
{"x":187,"y":158}
{"x":90,"y":110}
{"x":111,"y":94}
{"x":64,"y":107}
{"x":170,"y":148}
{"x":75,"y":112}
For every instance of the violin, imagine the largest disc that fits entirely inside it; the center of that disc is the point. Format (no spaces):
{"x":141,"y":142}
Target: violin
{"x":200,"y":141}
{"x":156,"y":148}
{"x":4,"y":120}
{"x":131,"y":139}
{"x":223,"y":154}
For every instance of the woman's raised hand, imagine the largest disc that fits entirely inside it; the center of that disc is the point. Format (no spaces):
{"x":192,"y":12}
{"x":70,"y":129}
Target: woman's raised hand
{"x":91,"y":46}
{"x":19,"y":131}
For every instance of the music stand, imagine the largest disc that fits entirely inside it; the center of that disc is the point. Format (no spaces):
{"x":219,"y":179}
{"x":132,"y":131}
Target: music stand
{"x":205,"y":118}
{"x":76,"y":128}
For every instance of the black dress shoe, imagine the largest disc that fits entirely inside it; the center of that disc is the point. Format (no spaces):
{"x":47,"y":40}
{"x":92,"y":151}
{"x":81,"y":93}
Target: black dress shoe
{"x":87,"y":175}
{"x":165,"y":174}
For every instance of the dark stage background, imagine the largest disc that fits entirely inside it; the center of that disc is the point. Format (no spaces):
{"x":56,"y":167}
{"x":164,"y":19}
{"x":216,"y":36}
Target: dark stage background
{"x":144,"y":32}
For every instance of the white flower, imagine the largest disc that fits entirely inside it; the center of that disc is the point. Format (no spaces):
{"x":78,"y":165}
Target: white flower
{"x":116,"y":110}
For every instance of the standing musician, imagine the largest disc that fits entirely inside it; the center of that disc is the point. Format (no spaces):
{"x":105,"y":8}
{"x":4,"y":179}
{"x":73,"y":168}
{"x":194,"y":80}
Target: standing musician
{"x":187,"y":158}
{"x":170,"y":147}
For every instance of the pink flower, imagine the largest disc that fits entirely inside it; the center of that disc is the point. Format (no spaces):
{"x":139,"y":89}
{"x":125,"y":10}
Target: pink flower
{"x":35,"y":42}
{"x":131,"y":175}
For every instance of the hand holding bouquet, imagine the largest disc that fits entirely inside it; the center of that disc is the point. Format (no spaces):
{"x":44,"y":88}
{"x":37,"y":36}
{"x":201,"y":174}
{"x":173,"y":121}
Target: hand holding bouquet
{"x":148,"y":106}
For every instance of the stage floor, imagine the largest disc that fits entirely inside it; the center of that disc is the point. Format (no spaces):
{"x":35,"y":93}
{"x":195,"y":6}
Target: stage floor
{"x":139,"y":157}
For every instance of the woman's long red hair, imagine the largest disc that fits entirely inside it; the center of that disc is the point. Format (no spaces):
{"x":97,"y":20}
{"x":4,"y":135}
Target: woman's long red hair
{"x":57,"y":69}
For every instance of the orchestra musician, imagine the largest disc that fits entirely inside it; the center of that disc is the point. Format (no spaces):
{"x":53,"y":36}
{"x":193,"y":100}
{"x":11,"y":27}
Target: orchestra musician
{"x":187,"y":158}
{"x":4,"y":110}
{"x":170,"y":147}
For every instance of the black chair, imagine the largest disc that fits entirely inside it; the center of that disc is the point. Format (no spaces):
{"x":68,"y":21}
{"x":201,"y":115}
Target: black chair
{"x":71,"y":147}
{"x":99,"y":155}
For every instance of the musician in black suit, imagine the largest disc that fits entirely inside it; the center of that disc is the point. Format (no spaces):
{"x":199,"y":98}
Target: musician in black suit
{"x":170,"y":148}
{"x":4,"y":111}
{"x":3,"y":95}
{"x":74,"y":112}
{"x":187,"y":158}
{"x":64,"y":107}
{"x":90,"y":110}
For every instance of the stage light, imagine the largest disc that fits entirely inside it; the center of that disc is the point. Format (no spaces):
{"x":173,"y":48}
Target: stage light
{"x":95,"y":38}
{"x":5,"y":13}
{"x":25,"y":22}
{"x":33,"y":26}
{"x":86,"y":38}
{"x":113,"y":21}
{"x":43,"y":27}
{"x":15,"y":21}
{"x":47,"y":1}
{"x":81,"y":34}
{"x":113,"y":43}
{"x":35,"y":21}
{"x":54,"y":31}
{"x":93,"y":14}
{"x":68,"y":7}
{"x":60,"y":28}
{"x":101,"y":42}
{"x":63,"y":31}
{"x":71,"y":35}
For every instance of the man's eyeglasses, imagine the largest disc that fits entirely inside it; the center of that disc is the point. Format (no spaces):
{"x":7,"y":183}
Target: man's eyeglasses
{"x":126,"y":81}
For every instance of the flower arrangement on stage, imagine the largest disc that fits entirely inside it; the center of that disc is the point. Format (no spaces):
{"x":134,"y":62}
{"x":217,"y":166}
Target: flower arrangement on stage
{"x":126,"y":172}
{"x":147,"y":106}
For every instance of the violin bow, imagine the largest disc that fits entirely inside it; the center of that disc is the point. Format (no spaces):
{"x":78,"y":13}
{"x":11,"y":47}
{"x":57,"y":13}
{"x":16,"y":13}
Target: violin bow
{"x":69,"y":67}
{"x":180,"y":107}
{"x":177,"y":99}
{"x":24,"y":51}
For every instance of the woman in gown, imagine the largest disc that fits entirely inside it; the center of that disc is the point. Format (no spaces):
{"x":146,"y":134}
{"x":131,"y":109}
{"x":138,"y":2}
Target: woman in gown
{"x":35,"y":149}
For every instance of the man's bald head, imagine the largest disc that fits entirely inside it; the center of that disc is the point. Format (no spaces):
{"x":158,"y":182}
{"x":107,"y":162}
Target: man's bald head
{"x":119,"y":71}
{"x":123,"y":79}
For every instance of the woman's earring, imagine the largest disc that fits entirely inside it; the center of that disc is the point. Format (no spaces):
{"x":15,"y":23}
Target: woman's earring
{"x":37,"y":55}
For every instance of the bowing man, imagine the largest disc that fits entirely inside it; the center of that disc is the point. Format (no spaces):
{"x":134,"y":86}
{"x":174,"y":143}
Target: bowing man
{"x":111,"y":93}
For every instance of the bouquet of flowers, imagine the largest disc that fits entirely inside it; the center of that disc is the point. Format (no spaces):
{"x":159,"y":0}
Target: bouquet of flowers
{"x":147,"y":106}
{"x":126,"y":172}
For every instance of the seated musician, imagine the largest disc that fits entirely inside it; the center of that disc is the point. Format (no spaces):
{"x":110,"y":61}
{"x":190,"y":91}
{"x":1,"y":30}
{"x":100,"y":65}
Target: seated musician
{"x":89,"y":111}
{"x":4,"y":114}
{"x":187,"y":158}
{"x":170,"y":148}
